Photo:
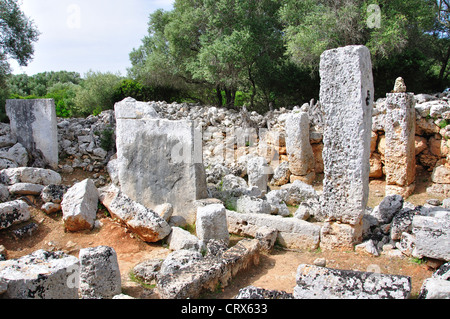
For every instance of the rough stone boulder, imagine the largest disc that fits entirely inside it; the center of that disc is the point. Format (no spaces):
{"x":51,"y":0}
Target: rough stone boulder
{"x":438,"y":286}
{"x":251,"y":292}
{"x":41,"y":275}
{"x":79,"y":206}
{"x":314,"y":282}
{"x":212,"y":223}
{"x":99,"y":273}
{"x":258,"y":173}
{"x":13,"y":212}
{"x":25,"y":189}
{"x":247,"y":204}
{"x":31,"y":175}
{"x":291,"y":232}
{"x":182,"y":239}
{"x":144,"y":222}
{"x":432,"y":235}
{"x":208,"y":272}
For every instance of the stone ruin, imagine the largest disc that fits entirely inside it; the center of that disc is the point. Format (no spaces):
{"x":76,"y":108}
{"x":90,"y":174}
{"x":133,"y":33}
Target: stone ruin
{"x":165,"y":162}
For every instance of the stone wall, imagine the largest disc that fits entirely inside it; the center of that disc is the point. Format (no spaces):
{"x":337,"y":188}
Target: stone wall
{"x":89,"y":143}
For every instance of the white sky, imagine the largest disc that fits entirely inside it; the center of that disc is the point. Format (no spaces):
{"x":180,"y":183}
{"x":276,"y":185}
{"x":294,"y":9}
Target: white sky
{"x":83,"y":35}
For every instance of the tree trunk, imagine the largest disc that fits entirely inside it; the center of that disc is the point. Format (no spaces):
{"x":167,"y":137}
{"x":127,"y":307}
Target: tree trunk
{"x":219,"y":96}
{"x":444,"y":67}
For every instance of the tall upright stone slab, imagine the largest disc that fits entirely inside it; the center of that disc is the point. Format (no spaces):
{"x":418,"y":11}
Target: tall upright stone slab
{"x":33,"y":123}
{"x":159,"y":161}
{"x":400,"y":157}
{"x":298,"y":146}
{"x":346,"y":94}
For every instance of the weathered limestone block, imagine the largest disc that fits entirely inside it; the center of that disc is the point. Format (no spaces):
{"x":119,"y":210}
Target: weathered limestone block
{"x":182,"y":239}
{"x":441,"y":175}
{"x":438,"y":286}
{"x":29,"y":175}
{"x":13,"y":212}
{"x":33,"y":123}
{"x":41,"y":275}
{"x":80,"y":205}
{"x":432,"y":236}
{"x":281,"y":174}
{"x":435,"y":289}
{"x":246,"y":204}
{"x":400,"y":128}
{"x":209,"y":272}
{"x":160,"y":161}
{"x":338,"y":236}
{"x":212,"y":223}
{"x":25,"y":189}
{"x":251,"y":292}
{"x":292,"y":232}
{"x":99,"y":273}
{"x":298,"y":146}
{"x":145,"y":223}
{"x":315,"y":282}
{"x":258,"y":173}
{"x":129,"y":108}
{"x":346,"y":94}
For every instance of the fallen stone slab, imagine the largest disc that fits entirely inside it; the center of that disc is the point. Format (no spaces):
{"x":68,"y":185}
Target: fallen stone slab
{"x":246,"y":204}
{"x":251,"y":292}
{"x":144,"y":222}
{"x":209,"y":272}
{"x":314,"y":282}
{"x":292,"y":232}
{"x":80,"y":205}
{"x":31,"y":175}
{"x":41,"y":275}
{"x":182,"y":239}
{"x":433,"y":288}
{"x":13,"y":212}
{"x":432,"y":236}
{"x":26,"y":189}
{"x":99,"y":273}
{"x":53,"y":193}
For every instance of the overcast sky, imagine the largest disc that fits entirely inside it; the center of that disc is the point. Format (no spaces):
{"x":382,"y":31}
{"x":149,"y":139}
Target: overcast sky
{"x":83,"y":35}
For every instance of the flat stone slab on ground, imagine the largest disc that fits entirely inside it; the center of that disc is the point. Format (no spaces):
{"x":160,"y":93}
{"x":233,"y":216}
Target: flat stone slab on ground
{"x":315,"y":282}
{"x":33,"y":123}
{"x":207,"y":273}
{"x":41,"y":275}
{"x":292,"y":232}
{"x":31,"y":175}
{"x":432,"y":236}
{"x":144,"y":222}
{"x":13,"y":212}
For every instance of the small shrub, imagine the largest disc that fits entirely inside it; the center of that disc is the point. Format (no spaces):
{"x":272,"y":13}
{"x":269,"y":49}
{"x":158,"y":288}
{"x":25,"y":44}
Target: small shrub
{"x":107,"y":139}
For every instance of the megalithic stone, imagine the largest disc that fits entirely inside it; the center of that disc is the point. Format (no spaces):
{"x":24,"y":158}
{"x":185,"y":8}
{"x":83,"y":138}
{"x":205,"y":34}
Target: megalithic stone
{"x":33,"y":123}
{"x":400,"y":157}
{"x":159,"y":161}
{"x":298,"y":146}
{"x":346,"y":94}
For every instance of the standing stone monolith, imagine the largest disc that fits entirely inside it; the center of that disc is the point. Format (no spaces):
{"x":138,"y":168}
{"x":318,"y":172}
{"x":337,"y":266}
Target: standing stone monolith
{"x":400,"y":157}
{"x":33,"y":124}
{"x":159,"y":161}
{"x":346,"y":94}
{"x":298,"y":147}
